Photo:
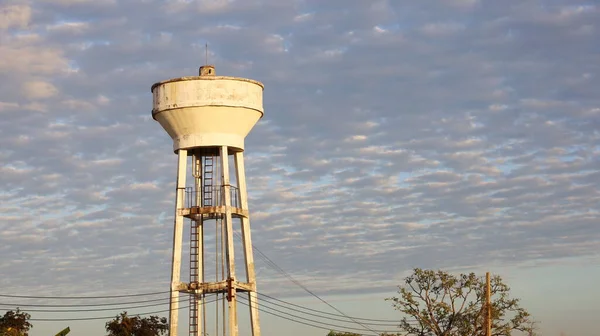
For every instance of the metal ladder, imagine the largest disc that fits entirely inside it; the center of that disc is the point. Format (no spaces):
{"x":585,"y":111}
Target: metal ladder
{"x":206,"y":200}
{"x":194,"y":278}
{"x":194,"y":246}
{"x":208,"y":181}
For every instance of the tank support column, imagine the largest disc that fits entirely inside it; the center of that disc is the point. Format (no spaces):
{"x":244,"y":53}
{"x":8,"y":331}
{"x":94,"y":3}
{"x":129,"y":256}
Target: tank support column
{"x":233,"y":323}
{"x":177,"y":242}
{"x":247,"y":241}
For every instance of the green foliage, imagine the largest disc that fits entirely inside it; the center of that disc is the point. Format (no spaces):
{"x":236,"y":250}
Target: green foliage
{"x":334,"y":333}
{"x":124,"y":325}
{"x":447,"y":305}
{"x":64,"y":332}
{"x":337,"y":333}
{"x":15,"y":323}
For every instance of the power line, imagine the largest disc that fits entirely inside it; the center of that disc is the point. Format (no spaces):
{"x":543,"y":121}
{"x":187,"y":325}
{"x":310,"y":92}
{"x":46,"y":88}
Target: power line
{"x":94,"y":310}
{"x":320,"y":311}
{"x":81,"y":297}
{"x":265,"y":300}
{"x":289,"y":277}
{"x":108,"y":317}
{"x":321,"y":325}
{"x":265,"y":258}
{"x":327,"y":317}
{"x":84,"y":305}
{"x":314,"y":321}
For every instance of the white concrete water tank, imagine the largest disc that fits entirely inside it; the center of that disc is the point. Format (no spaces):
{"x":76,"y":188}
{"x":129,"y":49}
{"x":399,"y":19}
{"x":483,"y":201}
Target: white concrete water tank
{"x":207,"y":110}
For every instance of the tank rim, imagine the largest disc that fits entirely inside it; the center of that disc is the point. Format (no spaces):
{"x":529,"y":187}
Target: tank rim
{"x":191,"y":78}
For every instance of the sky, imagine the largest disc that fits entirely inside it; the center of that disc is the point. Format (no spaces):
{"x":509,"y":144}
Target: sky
{"x":461,"y":135}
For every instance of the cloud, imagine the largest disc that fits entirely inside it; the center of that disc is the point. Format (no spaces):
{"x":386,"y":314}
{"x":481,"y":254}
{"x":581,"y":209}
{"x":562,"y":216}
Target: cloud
{"x":443,"y":28}
{"x":77,"y":2}
{"x":26,"y":54}
{"x":463,"y":3}
{"x":39,"y":90}
{"x":15,"y":16}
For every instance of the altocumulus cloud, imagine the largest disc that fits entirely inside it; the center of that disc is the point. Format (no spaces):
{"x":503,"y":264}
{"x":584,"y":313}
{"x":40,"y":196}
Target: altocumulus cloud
{"x":396,"y":134}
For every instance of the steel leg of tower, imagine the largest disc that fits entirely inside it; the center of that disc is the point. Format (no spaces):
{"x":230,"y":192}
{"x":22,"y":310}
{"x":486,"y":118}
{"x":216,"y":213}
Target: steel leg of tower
{"x":247,"y":243}
{"x":177,"y":242}
{"x":233,"y":325}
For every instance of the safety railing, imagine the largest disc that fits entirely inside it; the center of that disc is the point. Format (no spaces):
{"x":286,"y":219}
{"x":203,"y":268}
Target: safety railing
{"x":211,"y":197}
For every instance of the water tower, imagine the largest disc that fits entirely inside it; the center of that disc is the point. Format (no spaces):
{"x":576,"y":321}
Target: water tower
{"x":208,"y":117}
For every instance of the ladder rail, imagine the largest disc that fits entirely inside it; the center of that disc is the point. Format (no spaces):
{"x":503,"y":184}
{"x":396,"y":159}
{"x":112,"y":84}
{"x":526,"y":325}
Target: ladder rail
{"x":204,"y":196}
{"x":193,"y":312}
{"x":207,"y":186}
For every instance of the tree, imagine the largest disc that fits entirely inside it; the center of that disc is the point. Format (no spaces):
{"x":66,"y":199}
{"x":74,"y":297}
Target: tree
{"x":125,"y":325}
{"x":442,"y":304}
{"x":341,"y":333}
{"x":15,"y":323}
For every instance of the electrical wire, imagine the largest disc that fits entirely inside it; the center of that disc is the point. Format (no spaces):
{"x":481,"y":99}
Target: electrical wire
{"x":81,"y":297}
{"x":301,"y":322}
{"x":84,"y":305}
{"x":265,"y":258}
{"x":314,"y":321}
{"x":290,"y":278}
{"x":261,"y":254}
{"x":104,"y":317}
{"x":95,"y":310}
{"x":392,"y":322}
{"x":263,"y":301}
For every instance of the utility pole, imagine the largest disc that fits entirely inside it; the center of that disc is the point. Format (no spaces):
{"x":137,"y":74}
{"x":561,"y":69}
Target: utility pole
{"x":488,"y":303}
